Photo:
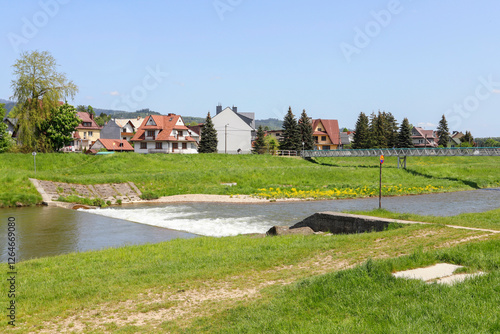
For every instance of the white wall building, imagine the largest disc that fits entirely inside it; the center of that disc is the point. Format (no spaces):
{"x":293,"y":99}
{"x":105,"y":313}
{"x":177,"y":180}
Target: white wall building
{"x":235,"y":131}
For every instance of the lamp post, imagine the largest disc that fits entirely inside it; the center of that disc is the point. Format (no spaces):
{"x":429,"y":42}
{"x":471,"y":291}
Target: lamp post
{"x":303,"y":144}
{"x":225,"y":138}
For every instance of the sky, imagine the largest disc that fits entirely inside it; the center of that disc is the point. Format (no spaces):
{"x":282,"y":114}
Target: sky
{"x":418,"y":59}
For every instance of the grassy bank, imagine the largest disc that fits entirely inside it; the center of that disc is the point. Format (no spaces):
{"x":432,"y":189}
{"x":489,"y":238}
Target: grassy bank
{"x":273,"y":285}
{"x":265,"y":176}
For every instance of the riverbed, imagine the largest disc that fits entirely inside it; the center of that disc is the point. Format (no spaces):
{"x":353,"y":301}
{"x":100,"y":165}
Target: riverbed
{"x":48,"y":231}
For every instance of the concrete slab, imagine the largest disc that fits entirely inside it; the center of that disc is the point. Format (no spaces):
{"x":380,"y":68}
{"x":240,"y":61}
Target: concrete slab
{"x":441,"y":273}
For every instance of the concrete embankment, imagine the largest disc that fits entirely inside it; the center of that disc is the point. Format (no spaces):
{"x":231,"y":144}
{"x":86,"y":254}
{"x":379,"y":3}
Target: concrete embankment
{"x":345,"y":223}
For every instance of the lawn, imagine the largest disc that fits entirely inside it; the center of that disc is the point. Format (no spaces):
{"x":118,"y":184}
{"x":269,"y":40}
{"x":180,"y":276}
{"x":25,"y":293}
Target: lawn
{"x":260,"y":175}
{"x":298,"y":284}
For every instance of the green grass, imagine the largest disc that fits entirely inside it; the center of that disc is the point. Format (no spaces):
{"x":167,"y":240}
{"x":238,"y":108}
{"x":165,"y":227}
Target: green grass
{"x":163,"y":175}
{"x":486,"y":220}
{"x":102,"y":289}
{"x":368,"y":299}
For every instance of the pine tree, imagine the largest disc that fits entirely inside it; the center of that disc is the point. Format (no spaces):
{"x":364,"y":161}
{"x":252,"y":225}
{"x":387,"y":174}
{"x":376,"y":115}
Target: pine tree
{"x":443,"y":133}
{"x":306,"y":131}
{"x":361,"y":133}
{"x":391,"y":129}
{"x":467,"y":138}
{"x":291,"y":135}
{"x":377,"y":132}
{"x":259,"y":145}
{"x":404,"y":137}
{"x":208,"y":140}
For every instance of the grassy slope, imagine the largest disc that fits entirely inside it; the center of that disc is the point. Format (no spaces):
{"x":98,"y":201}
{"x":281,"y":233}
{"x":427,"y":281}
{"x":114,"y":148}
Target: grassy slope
{"x":92,"y":289}
{"x":163,"y":175}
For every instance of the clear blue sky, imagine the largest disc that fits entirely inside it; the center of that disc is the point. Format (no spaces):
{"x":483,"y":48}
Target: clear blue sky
{"x":414,"y":58}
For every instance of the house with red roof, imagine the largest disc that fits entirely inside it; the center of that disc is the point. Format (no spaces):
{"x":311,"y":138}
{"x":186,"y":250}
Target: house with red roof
{"x":326,"y":134}
{"x":164,"y":134}
{"x":87,"y":132}
{"x":116,"y":145}
{"x":423,"y":138}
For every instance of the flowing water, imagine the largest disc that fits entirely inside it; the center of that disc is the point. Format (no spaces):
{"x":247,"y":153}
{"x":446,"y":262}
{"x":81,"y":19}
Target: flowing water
{"x":44,"y":231}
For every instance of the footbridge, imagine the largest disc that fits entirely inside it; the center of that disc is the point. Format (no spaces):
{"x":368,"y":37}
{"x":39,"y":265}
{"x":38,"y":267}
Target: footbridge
{"x":402,"y":153}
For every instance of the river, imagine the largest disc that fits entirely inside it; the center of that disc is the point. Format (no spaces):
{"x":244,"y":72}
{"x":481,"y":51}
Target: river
{"x":48,"y":231}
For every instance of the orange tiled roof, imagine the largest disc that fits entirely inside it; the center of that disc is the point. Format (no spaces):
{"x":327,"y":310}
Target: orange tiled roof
{"x":108,"y":144}
{"x":164,"y":123}
{"x":331,"y":128}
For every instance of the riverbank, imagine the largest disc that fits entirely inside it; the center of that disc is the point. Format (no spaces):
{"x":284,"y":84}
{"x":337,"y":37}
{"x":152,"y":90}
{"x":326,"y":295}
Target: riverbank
{"x":269,"y":177}
{"x":236,"y":284}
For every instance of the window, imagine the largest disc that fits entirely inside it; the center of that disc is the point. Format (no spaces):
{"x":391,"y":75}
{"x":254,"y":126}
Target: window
{"x":175,"y":146}
{"x":144,"y":146}
{"x":184,"y":146}
{"x":88,"y":124}
{"x":91,"y":133}
{"x":159,"y":146}
{"x":150,"y":133}
{"x":180,"y":133}
{"x":315,"y":139}
{"x":323,"y":138}
{"x":121,"y":145}
{"x":85,"y":135}
{"x":326,"y":148}
{"x":320,"y":129}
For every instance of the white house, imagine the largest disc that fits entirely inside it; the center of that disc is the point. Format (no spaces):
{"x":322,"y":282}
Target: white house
{"x":164,"y":134}
{"x":235,"y":131}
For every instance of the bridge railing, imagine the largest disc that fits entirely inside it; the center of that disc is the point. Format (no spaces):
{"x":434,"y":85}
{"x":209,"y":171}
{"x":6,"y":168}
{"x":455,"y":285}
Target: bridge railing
{"x":404,"y":152}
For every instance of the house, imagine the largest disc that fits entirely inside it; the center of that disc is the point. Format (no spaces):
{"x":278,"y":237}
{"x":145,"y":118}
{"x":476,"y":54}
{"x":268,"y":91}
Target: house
{"x":326,"y":134}
{"x":235,"y":130}
{"x":87,"y":132}
{"x":117,"y":145}
{"x":11,"y":126}
{"x":129,"y":126}
{"x":278,"y":134}
{"x":111,"y":130}
{"x":346,"y":138}
{"x":164,"y":134}
{"x":455,"y":139}
{"x":423,"y":138}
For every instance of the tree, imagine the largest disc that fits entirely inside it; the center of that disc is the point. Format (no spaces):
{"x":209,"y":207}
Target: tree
{"x":291,"y":135}
{"x":259,"y":145}
{"x":443,"y":133}
{"x":208,"y":140}
{"x":102,"y":119}
{"x":467,"y":138}
{"x":5,"y":139}
{"x":391,"y":129}
{"x":490,"y":142}
{"x":272,"y":144}
{"x":377,"y":131}
{"x":361,"y":133}
{"x":404,"y":137}
{"x":38,"y":88}
{"x":59,"y":128}
{"x":306,"y":132}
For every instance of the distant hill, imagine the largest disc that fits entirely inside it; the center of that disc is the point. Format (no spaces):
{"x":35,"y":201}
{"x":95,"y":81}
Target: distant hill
{"x":8,"y":105}
{"x":271,"y":123}
{"x":126,"y":114}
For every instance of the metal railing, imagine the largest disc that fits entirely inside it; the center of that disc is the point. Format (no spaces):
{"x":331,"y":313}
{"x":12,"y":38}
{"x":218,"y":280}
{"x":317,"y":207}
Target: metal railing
{"x":410,"y":152}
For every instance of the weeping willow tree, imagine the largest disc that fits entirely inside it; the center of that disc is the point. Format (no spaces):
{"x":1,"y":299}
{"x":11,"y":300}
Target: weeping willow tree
{"x":38,"y":88}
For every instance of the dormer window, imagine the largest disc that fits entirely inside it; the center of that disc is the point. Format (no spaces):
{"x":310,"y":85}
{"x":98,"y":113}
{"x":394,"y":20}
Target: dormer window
{"x":87,"y":124}
{"x":151,"y":133}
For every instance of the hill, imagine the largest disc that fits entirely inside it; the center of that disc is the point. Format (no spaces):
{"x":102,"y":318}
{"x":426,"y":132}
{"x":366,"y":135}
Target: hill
{"x":8,"y":105}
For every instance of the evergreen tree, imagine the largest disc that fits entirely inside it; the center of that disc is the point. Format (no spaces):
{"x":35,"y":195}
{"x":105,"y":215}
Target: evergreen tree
{"x":467,"y":138}
{"x":259,"y":145}
{"x":404,"y":137}
{"x":291,"y":135}
{"x":208,"y":140}
{"x":5,"y":139}
{"x":361,"y":133}
{"x":306,"y":131}
{"x":443,"y":133}
{"x":377,"y":131}
{"x":391,"y":129}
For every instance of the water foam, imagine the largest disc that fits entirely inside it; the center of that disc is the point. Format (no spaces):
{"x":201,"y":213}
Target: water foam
{"x":182,"y":219}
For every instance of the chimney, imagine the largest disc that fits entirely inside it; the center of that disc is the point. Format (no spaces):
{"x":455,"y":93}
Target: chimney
{"x":218,"y":109}
{"x":91,"y":116}
{"x":235,"y":109}
{"x":138,"y":117}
